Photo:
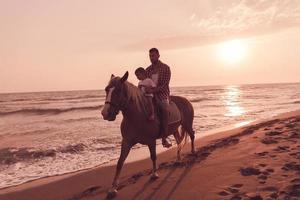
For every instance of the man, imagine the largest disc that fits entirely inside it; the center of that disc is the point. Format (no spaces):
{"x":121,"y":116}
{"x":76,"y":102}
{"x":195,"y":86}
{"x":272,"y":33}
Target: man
{"x":160,"y":73}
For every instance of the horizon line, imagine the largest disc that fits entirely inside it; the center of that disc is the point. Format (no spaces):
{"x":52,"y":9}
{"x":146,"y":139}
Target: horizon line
{"x":71,"y":90}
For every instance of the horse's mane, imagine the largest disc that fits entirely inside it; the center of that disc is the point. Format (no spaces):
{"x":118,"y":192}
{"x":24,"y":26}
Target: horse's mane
{"x":135,"y":96}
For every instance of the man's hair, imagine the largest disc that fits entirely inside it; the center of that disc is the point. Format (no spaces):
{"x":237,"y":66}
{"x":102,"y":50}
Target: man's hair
{"x":140,"y":70}
{"x":154,"y":50}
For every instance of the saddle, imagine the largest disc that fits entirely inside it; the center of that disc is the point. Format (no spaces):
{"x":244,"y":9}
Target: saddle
{"x":174,"y":113}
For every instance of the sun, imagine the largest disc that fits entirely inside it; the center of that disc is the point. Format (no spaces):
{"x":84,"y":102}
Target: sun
{"x":232,"y":51}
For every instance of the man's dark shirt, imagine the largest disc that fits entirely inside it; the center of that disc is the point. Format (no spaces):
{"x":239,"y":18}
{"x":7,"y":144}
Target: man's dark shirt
{"x":162,"y":81}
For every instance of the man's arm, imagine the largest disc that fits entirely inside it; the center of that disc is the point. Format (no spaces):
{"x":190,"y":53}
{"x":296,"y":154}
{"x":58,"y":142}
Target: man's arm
{"x":164,"y":79}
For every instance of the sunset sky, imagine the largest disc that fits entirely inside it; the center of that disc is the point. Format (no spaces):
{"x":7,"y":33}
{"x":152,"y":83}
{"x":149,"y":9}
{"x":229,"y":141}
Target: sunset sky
{"x":48,"y":45}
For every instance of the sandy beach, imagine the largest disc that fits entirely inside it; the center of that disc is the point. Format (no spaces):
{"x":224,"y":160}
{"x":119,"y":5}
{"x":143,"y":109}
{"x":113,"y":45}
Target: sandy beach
{"x":257,"y":161}
{"x":81,"y":81}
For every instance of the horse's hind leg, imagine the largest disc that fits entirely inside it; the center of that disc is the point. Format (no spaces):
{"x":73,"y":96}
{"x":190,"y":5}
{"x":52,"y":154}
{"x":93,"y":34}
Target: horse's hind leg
{"x":178,"y":141}
{"x":192,"y":136}
{"x":152,"y":149}
{"x":191,"y":133}
{"x":124,"y":153}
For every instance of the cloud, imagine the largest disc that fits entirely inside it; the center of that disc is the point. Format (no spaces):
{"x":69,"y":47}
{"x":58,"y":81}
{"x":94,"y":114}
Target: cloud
{"x":253,"y":15}
{"x":243,"y":19}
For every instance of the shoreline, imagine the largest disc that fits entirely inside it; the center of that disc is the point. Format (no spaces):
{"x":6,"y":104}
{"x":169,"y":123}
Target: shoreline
{"x":137,"y":154}
{"x":140,"y":153}
{"x":89,"y":178}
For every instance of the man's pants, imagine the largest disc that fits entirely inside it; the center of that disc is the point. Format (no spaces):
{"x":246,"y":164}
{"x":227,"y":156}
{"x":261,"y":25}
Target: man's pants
{"x":164,"y":108}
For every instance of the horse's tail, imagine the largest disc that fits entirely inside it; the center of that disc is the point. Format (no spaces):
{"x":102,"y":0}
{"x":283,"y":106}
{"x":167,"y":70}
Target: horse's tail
{"x":187,"y":115}
{"x":183,"y":138}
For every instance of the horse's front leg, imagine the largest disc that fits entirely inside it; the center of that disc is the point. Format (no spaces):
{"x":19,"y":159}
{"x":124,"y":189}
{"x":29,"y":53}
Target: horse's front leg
{"x":124,"y":153}
{"x":152,"y":149}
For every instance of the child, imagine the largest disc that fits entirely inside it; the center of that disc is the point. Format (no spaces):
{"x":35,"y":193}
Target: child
{"x":143,"y":84}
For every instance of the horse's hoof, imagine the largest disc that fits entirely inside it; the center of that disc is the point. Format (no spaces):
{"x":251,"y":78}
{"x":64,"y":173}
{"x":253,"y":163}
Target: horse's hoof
{"x":111,"y":194}
{"x":154,"y":176}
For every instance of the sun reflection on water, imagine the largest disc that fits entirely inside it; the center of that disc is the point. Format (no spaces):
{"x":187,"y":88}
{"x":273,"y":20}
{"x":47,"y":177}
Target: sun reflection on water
{"x":231,"y":99}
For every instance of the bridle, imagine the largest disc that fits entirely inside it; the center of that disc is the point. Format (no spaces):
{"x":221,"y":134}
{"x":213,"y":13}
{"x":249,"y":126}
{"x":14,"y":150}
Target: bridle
{"x":118,"y":106}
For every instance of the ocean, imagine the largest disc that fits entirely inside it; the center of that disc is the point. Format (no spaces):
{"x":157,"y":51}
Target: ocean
{"x":50,"y":133}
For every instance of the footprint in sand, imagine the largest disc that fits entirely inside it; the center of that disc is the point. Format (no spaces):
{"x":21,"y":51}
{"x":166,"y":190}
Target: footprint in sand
{"x":236,"y":197}
{"x":248,"y":171}
{"x":262,"y":174}
{"x":294,"y":135}
{"x":238,"y":185}
{"x":256,"y":197}
{"x":233,"y":189}
{"x":268,"y":140}
{"x":274,"y":195}
{"x":262,"y":177}
{"x":291,"y":125}
{"x":92,"y":191}
{"x":295,"y":155}
{"x":136,"y":177}
{"x":293,"y":190}
{"x":270,"y":170}
{"x":273,"y":133}
{"x":282,"y":149}
{"x":266,"y":173}
{"x":262,"y":154}
{"x":270,"y":189}
{"x":291,"y":166}
{"x":296,"y":181}
{"x":262,"y":165}
{"x":224,"y":193}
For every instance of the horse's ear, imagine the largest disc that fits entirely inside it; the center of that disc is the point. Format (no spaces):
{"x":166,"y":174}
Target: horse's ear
{"x":112,"y":76}
{"x":125,"y":77}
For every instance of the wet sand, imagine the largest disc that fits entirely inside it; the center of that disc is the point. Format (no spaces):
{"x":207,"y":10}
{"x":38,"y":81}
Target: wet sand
{"x":258,"y":161}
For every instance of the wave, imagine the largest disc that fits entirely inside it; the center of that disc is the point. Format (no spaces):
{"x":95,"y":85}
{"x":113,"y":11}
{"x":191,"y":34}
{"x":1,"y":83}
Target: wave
{"x":55,"y":99}
{"x":15,"y":100}
{"x":74,"y":98}
{"x":199,"y":99}
{"x":258,"y":96}
{"x":213,"y":90}
{"x":50,"y":111}
{"x":10,"y":156}
{"x":80,"y":119}
{"x":291,"y":102}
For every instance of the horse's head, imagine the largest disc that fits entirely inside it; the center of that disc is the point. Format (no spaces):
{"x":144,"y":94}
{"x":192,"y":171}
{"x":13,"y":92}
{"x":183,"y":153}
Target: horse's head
{"x":115,"y":97}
